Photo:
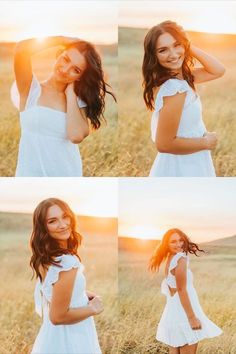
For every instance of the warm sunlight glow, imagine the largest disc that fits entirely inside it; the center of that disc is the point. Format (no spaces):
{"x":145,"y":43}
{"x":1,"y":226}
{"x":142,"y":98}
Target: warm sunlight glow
{"x":201,"y":16}
{"x":204,"y":209}
{"x":213,"y":24}
{"x":40,"y":32}
{"x":94,"y":20}
{"x":87,"y":196}
{"x":143,"y":232}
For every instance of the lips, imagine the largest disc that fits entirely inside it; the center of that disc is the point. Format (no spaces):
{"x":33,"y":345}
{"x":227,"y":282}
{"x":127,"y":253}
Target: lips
{"x":63,"y":231}
{"x":173,"y":61}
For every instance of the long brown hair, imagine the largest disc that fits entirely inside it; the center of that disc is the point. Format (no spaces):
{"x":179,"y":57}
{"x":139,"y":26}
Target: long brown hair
{"x":91,"y":87}
{"x":162,"y":250}
{"x":44,"y":247}
{"x":154,"y":74}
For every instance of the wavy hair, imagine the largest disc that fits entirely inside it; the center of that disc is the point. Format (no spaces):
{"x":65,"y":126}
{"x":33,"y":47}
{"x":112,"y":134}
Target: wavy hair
{"x":162,"y":250}
{"x":44,"y":247}
{"x":91,"y":87}
{"x":154,"y":74}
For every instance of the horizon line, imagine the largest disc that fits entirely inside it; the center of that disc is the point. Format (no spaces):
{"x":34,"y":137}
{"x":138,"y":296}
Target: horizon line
{"x":186,"y":30}
{"x":157,"y":239}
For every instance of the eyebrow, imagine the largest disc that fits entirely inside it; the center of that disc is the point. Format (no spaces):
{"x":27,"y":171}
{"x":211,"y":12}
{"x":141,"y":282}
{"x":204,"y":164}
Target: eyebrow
{"x":167,"y":47}
{"x":77,"y":67}
{"x":55,"y":217}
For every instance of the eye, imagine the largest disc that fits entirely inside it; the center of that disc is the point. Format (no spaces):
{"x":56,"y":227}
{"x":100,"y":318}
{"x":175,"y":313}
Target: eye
{"x":77,"y":71}
{"x":51,"y":221}
{"x":65,"y":59}
{"x":177,"y":44}
{"x":162,"y":51}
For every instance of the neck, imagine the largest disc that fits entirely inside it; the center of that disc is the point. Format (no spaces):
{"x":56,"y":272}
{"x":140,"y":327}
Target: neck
{"x":55,"y":85}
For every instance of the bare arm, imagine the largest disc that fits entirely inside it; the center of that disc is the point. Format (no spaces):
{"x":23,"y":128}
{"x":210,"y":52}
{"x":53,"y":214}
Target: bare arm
{"x":22,"y":61}
{"x":181,"y":279}
{"x":211,"y":68}
{"x":168,"y":123}
{"x":77,"y":122}
{"x":60,"y":312}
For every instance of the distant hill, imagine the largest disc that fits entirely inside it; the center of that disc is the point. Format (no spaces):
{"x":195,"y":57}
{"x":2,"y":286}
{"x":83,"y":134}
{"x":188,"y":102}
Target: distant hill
{"x":227,"y":241}
{"x":7,"y":49}
{"x":211,"y":41}
{"x":86,"y":224}
{"x":130,"y":244}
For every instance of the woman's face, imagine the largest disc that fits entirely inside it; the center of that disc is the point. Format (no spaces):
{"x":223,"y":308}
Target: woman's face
{"x":69,"y":66}
{"x":175,"y":243}
{"x":58,"y":224}
{"x":170,"y":53}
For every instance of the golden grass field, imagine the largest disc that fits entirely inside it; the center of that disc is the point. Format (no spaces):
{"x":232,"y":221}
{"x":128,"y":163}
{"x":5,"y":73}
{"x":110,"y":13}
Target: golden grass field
{"x":141,"y":303}
{"x":99,"y":151}
{"x":18,"y":321}
{"x":136,"y":150}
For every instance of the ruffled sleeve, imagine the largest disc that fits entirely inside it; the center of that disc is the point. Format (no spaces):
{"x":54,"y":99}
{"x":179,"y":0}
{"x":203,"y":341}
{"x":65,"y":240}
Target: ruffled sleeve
{"x":33,"y":95}
{"x":67,"y":262}
{"x":169,"y":88}
{"x":176,"y":258}
{"x":81,"y":103}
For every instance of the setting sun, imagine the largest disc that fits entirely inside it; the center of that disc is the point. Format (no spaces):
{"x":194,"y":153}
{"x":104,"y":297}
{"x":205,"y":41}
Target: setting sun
{"x":93,"y":20}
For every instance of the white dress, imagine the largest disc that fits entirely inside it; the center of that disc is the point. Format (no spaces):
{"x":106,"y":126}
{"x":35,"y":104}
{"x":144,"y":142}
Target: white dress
{"x":44,"y":149}
{"x":79,"y":338}
{"x":198,"y":164}
{"x":174,"y":328}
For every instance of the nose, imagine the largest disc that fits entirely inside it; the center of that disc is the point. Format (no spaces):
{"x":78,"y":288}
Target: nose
{"x":63,"y":224}
{"x":64,"y":69}
{"x":173,"y":54}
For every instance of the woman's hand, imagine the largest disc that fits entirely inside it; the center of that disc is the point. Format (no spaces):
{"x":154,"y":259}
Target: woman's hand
{"x":211,"y":68}
{"x":195,"y":323}
{"x":90,"y":294}
{"x":70,"y":90}
{"x":211,"y":140}
{"x":96,"y":305}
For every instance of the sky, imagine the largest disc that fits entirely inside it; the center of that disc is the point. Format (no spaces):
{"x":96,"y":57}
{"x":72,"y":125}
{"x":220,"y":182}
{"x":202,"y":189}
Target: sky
{"x":86,"y":196}
{"x":204,"y":16}
{"x":204,"y":208}
{"x":93,"y":20}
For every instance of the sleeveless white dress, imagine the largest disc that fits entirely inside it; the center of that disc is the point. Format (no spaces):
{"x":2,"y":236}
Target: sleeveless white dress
{"x":174,"y":328}
{"x":79,"y":338}
{"x":198,"y":164}
{"x":44,"y":149}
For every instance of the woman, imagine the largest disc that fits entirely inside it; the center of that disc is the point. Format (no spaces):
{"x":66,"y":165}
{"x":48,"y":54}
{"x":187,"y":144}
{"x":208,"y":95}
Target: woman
{"x":55,"y":114}
{"x":183,"y":323}
{"x":60,"y":296}
{"x":169,"y":83}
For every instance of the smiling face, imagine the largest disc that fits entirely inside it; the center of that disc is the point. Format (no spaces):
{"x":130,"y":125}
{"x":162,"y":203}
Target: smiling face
{"x":58,"y":224}
{"x":175,"y":243}
{"x":69,"y":66}
{"x":170,"y":52}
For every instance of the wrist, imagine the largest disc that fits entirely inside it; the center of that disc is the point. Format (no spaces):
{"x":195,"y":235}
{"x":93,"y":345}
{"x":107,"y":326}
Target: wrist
{"x":92,"y":310}
{"x":205,"y":143}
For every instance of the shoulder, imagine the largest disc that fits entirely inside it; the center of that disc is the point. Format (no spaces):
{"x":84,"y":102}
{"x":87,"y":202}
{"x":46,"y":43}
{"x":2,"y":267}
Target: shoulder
{"x":175,"y":86}
{"x":68,"y":261}
{"x":170,"y":87}
{"x":178,"y":257}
